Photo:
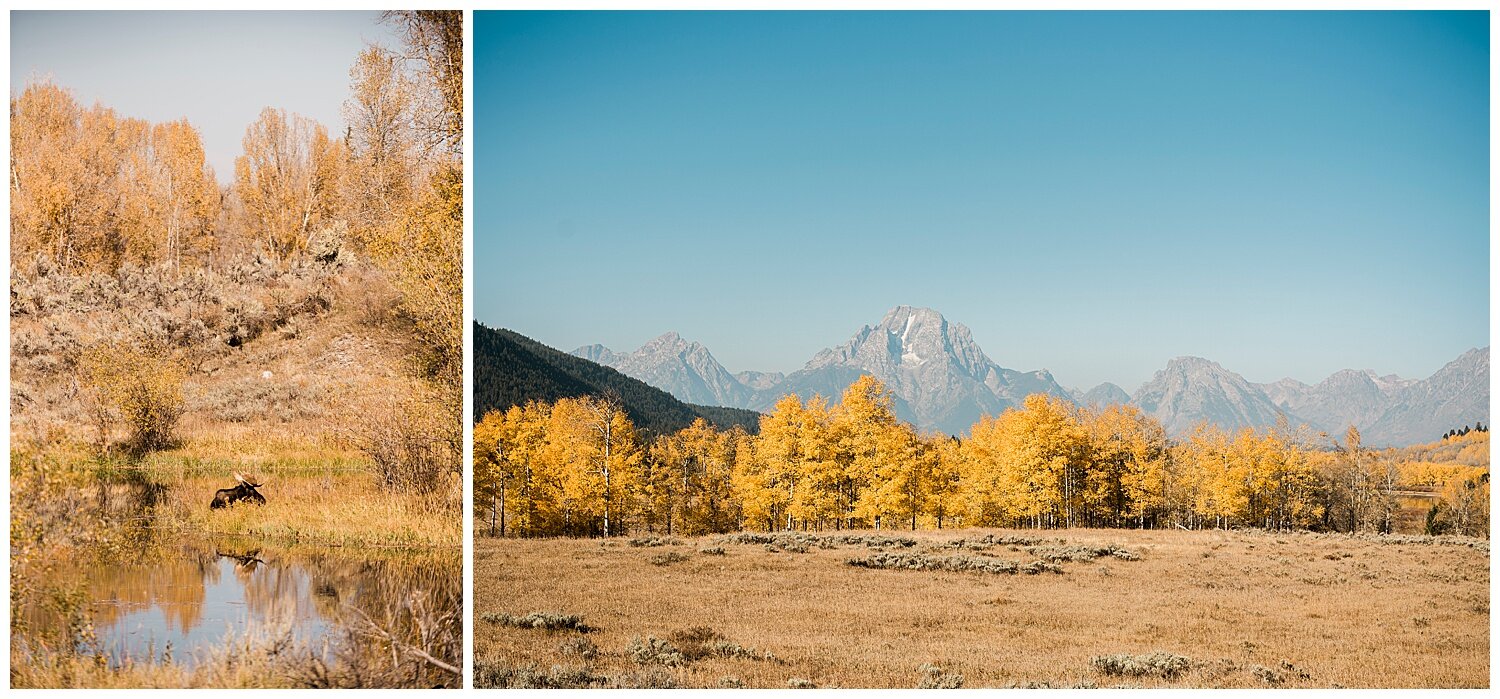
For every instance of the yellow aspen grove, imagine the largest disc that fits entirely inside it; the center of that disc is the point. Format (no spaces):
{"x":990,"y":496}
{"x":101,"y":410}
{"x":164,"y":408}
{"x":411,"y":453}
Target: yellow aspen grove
{"x":861,"y":424}
{"x":511,"y":477}
{"x":822,"y":476}
{"x":883,"y":476}
{"x":1126,"y":476}
{"x":944,"y":482}
{"x":753,"y":488}
{"x":990,"y":490}
{"x":688,"y":481}
{"x":577,"y":468}
{"x":659,"y":493}
{"x":617,"y":453}
{"x":780,"y":450}
{"x":1215,"y":480}
{"x":490,"y":477}
{"x":1048,"y":452}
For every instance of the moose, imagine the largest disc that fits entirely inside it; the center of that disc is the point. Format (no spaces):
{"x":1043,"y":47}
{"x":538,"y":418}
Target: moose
{"x":244,"y":491}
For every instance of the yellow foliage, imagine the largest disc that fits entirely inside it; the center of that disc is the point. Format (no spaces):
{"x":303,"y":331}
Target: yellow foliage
{"x":142,"y":386}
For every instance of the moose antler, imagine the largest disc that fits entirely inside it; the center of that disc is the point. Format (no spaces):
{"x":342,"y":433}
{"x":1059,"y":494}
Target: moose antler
{"x":241,"y":478}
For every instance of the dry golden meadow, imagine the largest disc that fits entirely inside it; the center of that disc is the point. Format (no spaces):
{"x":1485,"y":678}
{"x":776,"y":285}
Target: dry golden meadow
{"x":1240,"y":608}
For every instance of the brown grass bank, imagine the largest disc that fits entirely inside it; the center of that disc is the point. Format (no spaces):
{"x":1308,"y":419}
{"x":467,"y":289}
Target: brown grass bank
{"x":1194,"y":609}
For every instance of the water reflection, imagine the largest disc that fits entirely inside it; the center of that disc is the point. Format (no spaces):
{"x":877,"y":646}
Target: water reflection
{"x":188,"y":600}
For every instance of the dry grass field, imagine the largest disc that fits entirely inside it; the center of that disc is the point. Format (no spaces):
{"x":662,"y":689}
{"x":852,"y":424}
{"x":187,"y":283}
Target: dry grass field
{"x":1218,"y":608}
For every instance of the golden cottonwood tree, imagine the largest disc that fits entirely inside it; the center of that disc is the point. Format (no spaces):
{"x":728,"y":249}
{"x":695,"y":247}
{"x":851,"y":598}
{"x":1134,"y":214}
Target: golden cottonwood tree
{"x":434,"y":41}
{"x":278,"y":181}
{"x":184,"y":187}
{"x":382,"y":146}
{"x":93,"y":190}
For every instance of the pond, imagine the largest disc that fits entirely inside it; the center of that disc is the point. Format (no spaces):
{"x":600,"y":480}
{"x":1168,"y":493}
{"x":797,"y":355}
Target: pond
{"x":191,"y":600}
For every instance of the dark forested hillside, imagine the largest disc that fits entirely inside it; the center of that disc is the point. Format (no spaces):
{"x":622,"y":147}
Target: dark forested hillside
{"x":510,"y":369}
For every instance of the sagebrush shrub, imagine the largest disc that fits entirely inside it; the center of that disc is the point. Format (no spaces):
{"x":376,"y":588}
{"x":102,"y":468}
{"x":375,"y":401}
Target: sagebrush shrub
{"x":933,"y":677}
{"x":668,"y":558}
{"x":1058,"y":554}
{"x":703,"y":642}
{"x":498,"y":676}
{"x":654,"y":651}
{"x":652,"y":541}
{"x":1164,"y":665}
{"x":546,"y":621}
{"x":579,"y":646}
{"x":912,"y":561}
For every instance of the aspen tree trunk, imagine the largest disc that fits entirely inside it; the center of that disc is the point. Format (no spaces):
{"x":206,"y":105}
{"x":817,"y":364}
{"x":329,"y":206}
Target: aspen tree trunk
{"x":607,"y":428}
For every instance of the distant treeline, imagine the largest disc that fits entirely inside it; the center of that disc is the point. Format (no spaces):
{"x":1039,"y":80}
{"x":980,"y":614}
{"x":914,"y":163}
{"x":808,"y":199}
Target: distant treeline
{"x":1478,"y":427}
{"x":578,"y":466}
{"x":511,"y":369}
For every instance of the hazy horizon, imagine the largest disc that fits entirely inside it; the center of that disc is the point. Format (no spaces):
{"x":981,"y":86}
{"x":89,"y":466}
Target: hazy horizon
{"x":1288,"y":194}
{"x":1129,"y":387}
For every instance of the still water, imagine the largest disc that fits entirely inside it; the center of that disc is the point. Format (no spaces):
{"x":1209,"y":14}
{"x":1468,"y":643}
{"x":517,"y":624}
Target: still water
{"x":194,"y":599}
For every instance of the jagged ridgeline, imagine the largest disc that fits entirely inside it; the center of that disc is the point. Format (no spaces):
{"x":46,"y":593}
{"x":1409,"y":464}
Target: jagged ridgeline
{"x":510,"y":369}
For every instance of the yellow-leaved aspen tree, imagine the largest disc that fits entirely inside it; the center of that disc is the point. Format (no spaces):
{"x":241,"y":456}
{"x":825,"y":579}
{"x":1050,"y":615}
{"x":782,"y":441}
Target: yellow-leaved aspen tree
{"x":276,"y":179}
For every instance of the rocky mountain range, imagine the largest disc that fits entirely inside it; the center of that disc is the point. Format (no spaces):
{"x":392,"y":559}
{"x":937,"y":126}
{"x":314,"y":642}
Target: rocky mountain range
{"x":943,"y":381}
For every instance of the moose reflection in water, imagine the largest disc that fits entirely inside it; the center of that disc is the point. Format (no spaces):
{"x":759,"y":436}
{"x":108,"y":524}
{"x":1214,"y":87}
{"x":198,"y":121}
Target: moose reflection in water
{"x":245,"y":491}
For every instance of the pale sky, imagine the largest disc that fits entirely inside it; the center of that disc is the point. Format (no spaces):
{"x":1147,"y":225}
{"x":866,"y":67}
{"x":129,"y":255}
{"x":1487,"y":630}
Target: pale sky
{"x":218,"y":69}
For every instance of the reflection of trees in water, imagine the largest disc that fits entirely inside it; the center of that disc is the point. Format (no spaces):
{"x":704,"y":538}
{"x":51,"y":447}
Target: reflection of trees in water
{"x":400,"y":619}
{"x":277,"y":586}
{"x":178,"y":585}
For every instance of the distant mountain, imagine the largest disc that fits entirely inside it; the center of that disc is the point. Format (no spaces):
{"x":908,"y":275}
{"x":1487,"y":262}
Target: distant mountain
{"x":687,"y":370}
{"x":1104,"y":395}
{"x":1457,"y":394}
{"x":759,"y":380}
{"x":1387,"y":409}
{"x":510,"y":369}
{"x":1193,"y":390}
{"x":940,"y":378}
{"x":1348,"y":397}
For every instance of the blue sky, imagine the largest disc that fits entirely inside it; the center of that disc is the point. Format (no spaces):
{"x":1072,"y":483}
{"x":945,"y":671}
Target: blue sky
{"x":1092,"y":193}
{"x":218,"y":69}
